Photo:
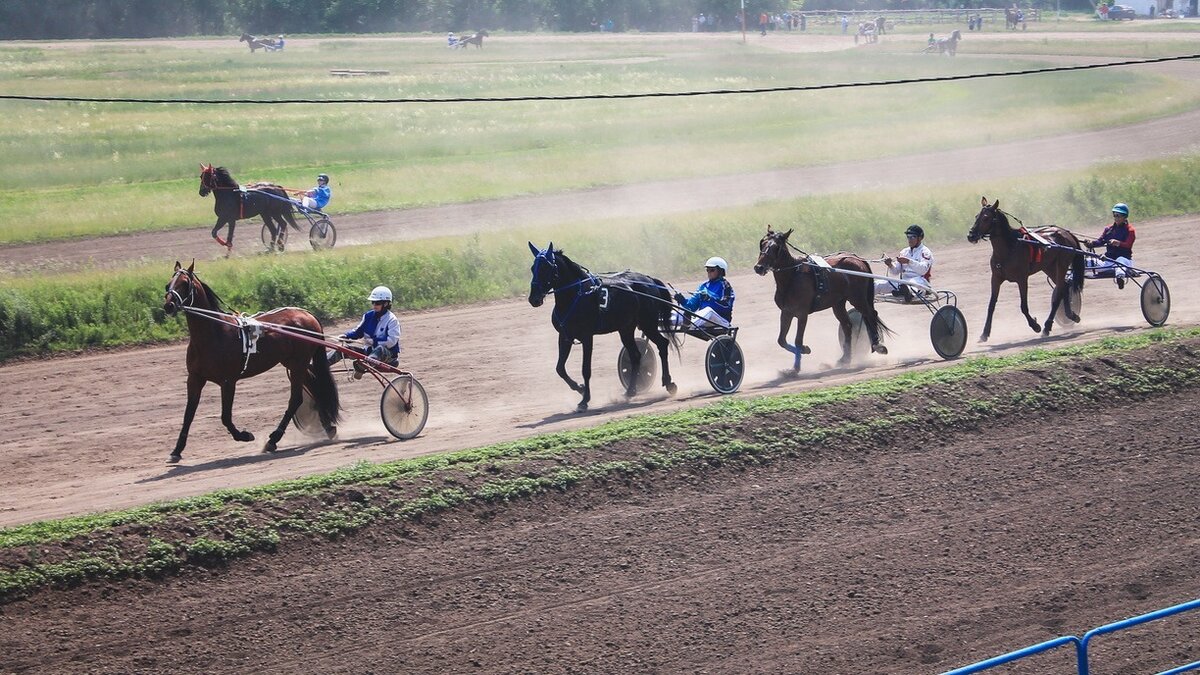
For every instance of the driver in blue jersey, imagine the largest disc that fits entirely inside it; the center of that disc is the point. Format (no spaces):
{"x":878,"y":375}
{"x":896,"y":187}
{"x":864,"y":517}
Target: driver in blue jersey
{"x":316,"y":198}
{"x":712,"y":303}
{"x":379,"y":328}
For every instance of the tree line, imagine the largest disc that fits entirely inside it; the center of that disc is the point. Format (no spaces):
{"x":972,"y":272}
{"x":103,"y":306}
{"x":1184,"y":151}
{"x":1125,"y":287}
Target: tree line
{"x":96,"y":19}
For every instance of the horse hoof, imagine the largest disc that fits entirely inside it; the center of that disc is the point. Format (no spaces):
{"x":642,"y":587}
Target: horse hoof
{"x":331,"y":433}
{"x":1073,"y":317}
{"x":672,"y":388}
{"x":174,"y":458}
{"x":270,"y":448}
{"x":805,"y":350}
{"x":983,"y":338}
{"x":630,"y":393}
{"x":582,"y":407}
{"x":243,"y":436}
{"x":878,"y":349}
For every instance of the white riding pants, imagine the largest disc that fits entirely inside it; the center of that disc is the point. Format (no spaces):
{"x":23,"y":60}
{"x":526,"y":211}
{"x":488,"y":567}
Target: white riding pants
{"x":703,"y":317}
{"x":1099,"y":266}
{"x":885,"y":287}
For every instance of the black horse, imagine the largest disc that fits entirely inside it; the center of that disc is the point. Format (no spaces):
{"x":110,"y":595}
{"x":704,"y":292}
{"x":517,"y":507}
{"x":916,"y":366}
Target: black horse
{"x":586,"y":305}
{"x":474,"y":39}
{"x":255,"y":43}
{"x":234,"y":203}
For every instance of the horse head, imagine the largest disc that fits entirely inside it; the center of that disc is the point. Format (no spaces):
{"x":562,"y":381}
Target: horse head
{"x":246,"y":37}
{"x":544,"y":273}
{"x":988,"y":222}
{"x":208,"y":179}
{"x":181,"y":289}
{"x":772,"y":251}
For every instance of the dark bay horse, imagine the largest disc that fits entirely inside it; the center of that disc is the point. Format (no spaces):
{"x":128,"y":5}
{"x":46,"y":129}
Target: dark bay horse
{"x":217,"y":352}
{"x":475,"y":39}
{"x":256,"y":43}
{"x":797,"y":296}
{"x":1015,"y":258}
{"x":586,"y":305}
{"x":233,"y":203}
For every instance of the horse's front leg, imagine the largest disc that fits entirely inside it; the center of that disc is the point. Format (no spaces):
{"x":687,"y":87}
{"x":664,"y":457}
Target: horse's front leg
{"x":1023,"y":289}
{"x":216,"y":233}
{"x":586,"y":343}
{"x":798,"y":348}
{"x":294,"y":402}
{"x":195,"y":384}
{"x":564,"y":350}
{"x":227,"y":390}
{"x":997,"y":281}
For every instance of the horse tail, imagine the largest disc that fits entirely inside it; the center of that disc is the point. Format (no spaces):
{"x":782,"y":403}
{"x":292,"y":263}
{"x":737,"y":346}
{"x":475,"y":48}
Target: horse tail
{"x":1077,"y":267}
{"x":324,"y":389}
{"x":665,"y":324}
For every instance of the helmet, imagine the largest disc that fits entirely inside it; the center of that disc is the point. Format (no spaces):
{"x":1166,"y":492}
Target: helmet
{"x":914,"y":231}
{"x":1121,"y":208}
{"x":380,"y":293}
{"x":717,"y":262}
{"x":323,"y":176}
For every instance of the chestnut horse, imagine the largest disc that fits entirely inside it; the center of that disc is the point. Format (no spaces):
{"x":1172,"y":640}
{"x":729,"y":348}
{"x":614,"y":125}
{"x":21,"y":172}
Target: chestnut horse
{"x":218,"y":352}
{"x":797,"y":296}
{"x":586,"y":305}
{"x":1016,"y":257}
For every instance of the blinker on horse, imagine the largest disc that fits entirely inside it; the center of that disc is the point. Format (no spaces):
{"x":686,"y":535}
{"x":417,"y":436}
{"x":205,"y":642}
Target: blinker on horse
{"x":586,"y":305}
{"x":233,"y":203}
{"x":1018,"y":254}
{"x":224,"y":348}
{"x":799,"y":292}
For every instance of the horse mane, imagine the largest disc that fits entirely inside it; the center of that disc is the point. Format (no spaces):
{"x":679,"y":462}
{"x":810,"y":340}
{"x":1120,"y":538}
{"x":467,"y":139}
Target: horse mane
{"x":223,"y":177}
{"x":213,"y":301}
{"x":571,"y":264}
{"x":1010,"y":232}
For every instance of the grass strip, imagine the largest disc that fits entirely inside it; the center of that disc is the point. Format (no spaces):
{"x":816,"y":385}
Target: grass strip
{"x":71,"y":311}
{"x":215,"y":529}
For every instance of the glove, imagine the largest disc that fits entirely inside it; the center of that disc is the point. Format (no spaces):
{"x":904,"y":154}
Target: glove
{"x":679,"y":299}
{"x":704,"y":294}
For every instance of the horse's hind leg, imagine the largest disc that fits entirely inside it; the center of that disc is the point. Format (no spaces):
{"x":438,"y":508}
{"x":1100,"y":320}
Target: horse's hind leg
{"x":635,"y":360}
{"x":297,"y":375}
{"x":227,"y":390}
{"x":661,"y":342}
{"x":1023,"y":288}
{"x":847,"y":337}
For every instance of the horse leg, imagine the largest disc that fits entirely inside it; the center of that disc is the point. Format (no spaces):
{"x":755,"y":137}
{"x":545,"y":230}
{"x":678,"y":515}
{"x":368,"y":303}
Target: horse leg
{"x":635,"y":359}
{"x":216,"y":233}
{"x":564,"y":350}
{"x":661,"y":342}
{"x":843,"y":317}
{"x":785,"y":323}
{"x":227,"y":390}
{"x":1023,"y":288}
{"x":294,"y":402}
{"x":1056,"y":298}
{"x":997,"y":281}
{"x":586,"y":343}
{"x":801,"y":324}
{"x":195,"y":384}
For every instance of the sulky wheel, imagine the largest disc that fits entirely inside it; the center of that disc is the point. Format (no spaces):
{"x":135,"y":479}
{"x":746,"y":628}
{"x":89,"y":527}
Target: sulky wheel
{"x":649,"y":366}
{"x":266,"y":237}
{"x":307,"y":420}
{"x":404,"y":407}
{"x":1156,"y":301}
{"x":948,"y":332}
{"x":724,"y":364}
{"x":1076,"y":296}
{"x":322,"y":234}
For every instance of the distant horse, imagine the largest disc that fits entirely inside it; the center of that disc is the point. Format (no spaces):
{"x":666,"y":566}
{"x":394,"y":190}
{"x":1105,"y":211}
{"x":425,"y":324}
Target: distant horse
{"x":1012,"y":18}
{"x":234,"y":203}
{"x":586,"y":305}
{"x":475,"y":39}
{"x":219,"y":351}
{"x":1016,"y":257}
{"x":255,"y":43}
{"x":799,"y":292}
{"x":947,"y":45}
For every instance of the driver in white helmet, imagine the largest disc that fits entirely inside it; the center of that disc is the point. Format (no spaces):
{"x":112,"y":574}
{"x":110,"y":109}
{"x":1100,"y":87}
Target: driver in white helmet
{"x":316,"y":198}
{"x":712,"y":303}
{"x":379,"y":330}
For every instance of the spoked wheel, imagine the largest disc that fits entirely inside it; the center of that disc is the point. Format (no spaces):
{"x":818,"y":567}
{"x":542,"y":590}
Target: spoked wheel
{"x":404,"y":407}
{"x":860,"y":344}
{"x":647,"y":371}
{"x":948,"y":332}
{"x":322,"y":234}
{"x":307,"y":419}
{"x":266,"y":237}
{"x":1076,"y":296}
{"x":1156,"y":301}
{"x":724,"y":364}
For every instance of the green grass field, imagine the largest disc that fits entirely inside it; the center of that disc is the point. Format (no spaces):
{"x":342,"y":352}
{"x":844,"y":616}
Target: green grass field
{"x":89,"y":168}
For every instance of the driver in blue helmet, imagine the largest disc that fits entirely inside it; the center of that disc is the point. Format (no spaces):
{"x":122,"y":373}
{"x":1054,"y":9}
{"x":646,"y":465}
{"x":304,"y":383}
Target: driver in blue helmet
{"x":712,"y":303}
{"x":1117,"y":240}
{"x":379,"y":329}
{"x":913,"y":264}
{"x":316,"y":198}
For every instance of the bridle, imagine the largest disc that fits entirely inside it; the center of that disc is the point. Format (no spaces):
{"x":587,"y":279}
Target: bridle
{"x":546,"y":257}
{"x":182,"y":302}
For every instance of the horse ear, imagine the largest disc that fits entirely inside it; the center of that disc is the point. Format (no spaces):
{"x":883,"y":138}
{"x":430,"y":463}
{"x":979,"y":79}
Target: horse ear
{"x":192,"y":267}
{"x":788,"y":233}
{"x":983,"y":201}
{"x":177,"y":266}
{"x":769,"y":230}
{"x":533,"y":248}
{"x":996,"y":204}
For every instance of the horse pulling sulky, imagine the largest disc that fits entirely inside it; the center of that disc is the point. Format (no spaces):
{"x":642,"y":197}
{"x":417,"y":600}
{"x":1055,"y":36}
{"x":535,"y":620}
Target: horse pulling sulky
{"x":234,"y":201}
{"x":226,"y":347}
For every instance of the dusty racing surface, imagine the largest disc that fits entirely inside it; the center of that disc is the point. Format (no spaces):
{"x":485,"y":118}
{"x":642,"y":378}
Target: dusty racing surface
{"x":910,"y":554}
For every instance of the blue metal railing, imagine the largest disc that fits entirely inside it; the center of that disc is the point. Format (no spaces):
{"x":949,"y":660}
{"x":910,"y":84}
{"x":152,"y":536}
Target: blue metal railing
{"x":1081,"y":644}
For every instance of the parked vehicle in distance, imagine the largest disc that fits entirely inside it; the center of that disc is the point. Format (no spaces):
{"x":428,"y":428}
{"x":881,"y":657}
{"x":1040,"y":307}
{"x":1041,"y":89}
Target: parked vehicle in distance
{"x":1118,"y":12}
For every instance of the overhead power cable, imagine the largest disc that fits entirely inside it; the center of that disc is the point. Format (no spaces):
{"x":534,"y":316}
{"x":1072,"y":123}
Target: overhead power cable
{"x":601,"y":97}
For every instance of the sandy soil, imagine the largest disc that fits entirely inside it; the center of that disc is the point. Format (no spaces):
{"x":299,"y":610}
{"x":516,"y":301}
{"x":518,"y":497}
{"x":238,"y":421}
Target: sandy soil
{"x":91,"y":433}
{"x":873,"y":557}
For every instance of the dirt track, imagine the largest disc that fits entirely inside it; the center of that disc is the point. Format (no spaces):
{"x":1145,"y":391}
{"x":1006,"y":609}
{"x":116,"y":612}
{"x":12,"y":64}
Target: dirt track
{"x":91,"y":433}
{"x":882,"y":555}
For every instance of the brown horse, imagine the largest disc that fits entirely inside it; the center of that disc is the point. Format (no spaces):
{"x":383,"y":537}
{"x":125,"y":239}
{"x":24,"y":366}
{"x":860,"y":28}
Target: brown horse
{"x":1017,"y":256}
{"x":223,"y":350}
{"x":475,"y":39}
{"x":797,"y":294}
{"x":256,"y":43}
